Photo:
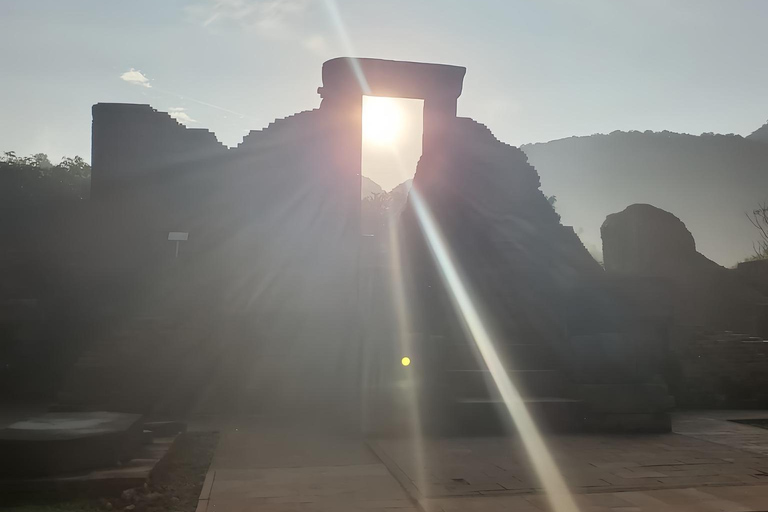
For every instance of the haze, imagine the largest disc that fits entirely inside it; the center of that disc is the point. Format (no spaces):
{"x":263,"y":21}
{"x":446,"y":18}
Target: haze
{"x":538,"y":71}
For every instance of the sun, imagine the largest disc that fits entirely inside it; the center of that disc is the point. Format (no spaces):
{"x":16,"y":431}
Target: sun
{"x":382,"y":120}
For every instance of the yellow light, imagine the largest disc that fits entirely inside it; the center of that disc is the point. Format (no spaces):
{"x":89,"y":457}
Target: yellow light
{"x":382,"y":120}
{"x":405,"y":361}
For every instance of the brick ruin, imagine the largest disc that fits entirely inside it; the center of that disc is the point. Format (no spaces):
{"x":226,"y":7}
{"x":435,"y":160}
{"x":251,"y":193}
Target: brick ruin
{"x":275,"y":302}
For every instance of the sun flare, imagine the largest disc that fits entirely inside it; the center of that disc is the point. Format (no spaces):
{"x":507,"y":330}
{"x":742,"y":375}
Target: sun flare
{"x":382,"y":120}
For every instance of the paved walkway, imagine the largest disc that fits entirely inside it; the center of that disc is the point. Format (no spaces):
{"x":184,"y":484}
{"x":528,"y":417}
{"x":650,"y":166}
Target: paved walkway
{"x":465,"y":466}
{"x":708,"y":464}
{"x":274,"y":468}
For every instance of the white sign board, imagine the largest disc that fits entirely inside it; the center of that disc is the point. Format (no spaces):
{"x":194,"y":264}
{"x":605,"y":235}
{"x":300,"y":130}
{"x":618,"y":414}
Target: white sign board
{"x":176,"y":236}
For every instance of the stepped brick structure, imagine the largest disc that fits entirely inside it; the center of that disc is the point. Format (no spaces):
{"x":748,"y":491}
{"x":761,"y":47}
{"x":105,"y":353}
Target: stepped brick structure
{"x":528,"y":275}
{"x":271,"y":252}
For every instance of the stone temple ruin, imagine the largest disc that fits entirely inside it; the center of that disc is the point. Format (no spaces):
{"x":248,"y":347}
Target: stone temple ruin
{"x":275,"y":303}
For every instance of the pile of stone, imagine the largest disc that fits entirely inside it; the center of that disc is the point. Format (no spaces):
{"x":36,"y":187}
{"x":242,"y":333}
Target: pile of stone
{"x":645,"y":241}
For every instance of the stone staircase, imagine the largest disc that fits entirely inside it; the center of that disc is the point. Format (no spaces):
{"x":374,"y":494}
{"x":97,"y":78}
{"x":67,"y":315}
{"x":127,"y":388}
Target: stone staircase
{"x":617,"y":346}
{"x":475,"y":406}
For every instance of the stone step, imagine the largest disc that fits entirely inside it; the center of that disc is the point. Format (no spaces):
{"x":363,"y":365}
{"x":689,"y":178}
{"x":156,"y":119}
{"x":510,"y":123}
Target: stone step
{"x":478,"y":384}
{"x":491,"y":417}
{"x":515,"y":356}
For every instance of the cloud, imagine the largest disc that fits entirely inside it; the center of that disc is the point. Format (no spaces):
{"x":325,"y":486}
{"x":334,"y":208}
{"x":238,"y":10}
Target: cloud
{"x":136,"y":77}
{"x":269,"y":17}
{"x":179,"y":114}
{"x":316,"y":44}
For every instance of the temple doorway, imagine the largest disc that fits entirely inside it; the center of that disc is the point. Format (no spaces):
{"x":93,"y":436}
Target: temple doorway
{"x":392,"y":140}
{"x":392,"y":130}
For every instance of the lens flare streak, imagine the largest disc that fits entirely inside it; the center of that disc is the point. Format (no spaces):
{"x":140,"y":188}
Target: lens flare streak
{"x":546,"y":469}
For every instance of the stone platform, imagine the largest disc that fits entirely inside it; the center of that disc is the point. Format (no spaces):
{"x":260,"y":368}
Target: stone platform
{"x":289,"y":466}
{"x":56,"y":443}
{"x":589,"y":463}
{"x":708,"y":464}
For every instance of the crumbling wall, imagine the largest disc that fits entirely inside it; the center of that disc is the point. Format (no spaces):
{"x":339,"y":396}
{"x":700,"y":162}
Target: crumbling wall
{"x":503,"y":233}
{"x":533,"y":282}
{"x":272,"y":246}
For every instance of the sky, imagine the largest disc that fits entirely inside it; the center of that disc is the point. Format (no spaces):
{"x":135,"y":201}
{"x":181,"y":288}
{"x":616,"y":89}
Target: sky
{"x":537,"y":71}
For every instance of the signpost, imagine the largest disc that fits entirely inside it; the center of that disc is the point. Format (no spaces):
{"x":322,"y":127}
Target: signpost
{"x":178,"y":236}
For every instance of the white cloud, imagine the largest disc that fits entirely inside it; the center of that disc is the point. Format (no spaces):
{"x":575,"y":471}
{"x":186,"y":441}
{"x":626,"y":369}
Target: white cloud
{"x":316,"y":44}
{"x":136,"y":77}
{"x":180,"y":115}
{"x":269,"y":17}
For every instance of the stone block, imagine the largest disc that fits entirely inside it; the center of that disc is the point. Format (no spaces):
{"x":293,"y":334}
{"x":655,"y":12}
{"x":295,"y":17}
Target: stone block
{"x":55,"y":443}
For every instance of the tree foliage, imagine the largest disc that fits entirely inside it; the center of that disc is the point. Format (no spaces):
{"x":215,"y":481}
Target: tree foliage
{"x":552,"y":200}
{"x":376,"y":210}
{"x":33,"y":178}
{"x":379,"y":208}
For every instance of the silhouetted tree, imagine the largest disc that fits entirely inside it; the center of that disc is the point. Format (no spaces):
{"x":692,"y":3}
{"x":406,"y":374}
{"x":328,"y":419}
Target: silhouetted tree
{"x":375,"y":211}
{"x":32,"y":178}
{"x":759,"y":219}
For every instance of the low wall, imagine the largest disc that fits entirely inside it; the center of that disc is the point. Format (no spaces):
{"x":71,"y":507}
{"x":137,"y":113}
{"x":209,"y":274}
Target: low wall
{"x":755,"y":274}
{"x":720,"y":369}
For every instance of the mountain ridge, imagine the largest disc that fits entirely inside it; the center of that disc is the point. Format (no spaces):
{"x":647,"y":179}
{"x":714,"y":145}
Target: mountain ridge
{"x":710,"y":181}
{"x":761,"y":134}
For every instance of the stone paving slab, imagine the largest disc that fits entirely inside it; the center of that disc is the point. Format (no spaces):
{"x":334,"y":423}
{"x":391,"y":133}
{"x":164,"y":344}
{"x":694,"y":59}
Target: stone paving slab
{"x":706,"y":450}
{"x":299,"y":469}
{"x":716,"y":499}
{"x":589,"y":463}
{"x":273,"y":468}
{"x":715,"y":426}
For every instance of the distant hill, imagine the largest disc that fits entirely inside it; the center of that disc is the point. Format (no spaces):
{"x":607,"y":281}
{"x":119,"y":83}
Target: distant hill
{"x":761,"y":134}
{"x":708,"y":181}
